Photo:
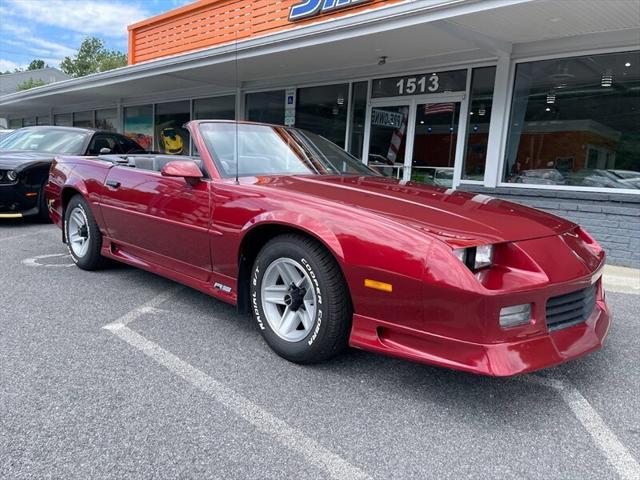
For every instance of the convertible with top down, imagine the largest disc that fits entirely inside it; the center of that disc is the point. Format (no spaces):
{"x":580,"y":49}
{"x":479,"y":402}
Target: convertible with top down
{"x":326,"y":253}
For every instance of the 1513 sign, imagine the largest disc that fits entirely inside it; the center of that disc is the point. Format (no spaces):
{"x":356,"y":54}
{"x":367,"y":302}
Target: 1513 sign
{"x":421,"y":84}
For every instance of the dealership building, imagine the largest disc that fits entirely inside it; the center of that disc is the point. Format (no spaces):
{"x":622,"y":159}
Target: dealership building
{"x":535,"y":101}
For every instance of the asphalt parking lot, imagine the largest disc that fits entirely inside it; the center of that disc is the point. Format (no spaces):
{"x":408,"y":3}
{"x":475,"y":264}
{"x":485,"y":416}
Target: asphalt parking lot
{"x":121,"y":373}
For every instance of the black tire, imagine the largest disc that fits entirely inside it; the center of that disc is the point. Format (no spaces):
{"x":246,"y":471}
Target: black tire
{"x":331,"y":325}
{"x":91,"y":259}
{"x":43,"y":209}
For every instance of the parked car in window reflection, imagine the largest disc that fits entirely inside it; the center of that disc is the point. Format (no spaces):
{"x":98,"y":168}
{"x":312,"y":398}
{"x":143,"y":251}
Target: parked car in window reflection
{"x":597,"y":178}
{"x":543,"y":176}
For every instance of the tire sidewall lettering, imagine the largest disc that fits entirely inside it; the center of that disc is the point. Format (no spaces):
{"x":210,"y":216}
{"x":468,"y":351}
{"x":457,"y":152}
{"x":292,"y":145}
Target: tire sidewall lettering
{"x":256,"y":302}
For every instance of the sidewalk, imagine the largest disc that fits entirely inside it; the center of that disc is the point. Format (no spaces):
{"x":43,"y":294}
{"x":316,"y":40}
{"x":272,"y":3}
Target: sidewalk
{"x":621,"y":279}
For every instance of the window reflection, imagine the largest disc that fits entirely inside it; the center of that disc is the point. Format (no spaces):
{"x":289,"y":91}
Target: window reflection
{"x":574,"y":122}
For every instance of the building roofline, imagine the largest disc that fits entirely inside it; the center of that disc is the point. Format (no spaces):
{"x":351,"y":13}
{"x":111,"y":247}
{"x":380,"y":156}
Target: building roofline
{"x":369,"y":21}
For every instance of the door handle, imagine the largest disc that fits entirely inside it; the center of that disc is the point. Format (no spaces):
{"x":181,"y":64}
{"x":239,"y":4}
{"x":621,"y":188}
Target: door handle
{"x":113,"y":184}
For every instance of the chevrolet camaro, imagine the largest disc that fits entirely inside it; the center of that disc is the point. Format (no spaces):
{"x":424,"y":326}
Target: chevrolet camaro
{"x":26,"y":155}
{"x":326,"y":253}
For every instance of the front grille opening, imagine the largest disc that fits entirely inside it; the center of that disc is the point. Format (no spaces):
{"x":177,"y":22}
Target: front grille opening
{"x":570,"y":309}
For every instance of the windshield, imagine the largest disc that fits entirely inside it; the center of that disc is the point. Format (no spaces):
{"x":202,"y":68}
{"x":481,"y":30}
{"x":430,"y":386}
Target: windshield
{"x":45,"y":140}
{"x":272,"y":150}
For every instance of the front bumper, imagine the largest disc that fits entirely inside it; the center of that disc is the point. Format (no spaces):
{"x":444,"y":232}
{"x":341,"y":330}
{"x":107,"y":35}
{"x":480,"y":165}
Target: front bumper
{"x":503,"y":358}
{"x":18,"y":200}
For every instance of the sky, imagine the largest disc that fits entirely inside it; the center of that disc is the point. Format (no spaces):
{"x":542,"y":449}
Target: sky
{"x":53,"y":29}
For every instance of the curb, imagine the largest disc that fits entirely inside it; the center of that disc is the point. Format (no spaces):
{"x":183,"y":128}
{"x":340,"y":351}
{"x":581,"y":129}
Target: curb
{"x":621,"y":279}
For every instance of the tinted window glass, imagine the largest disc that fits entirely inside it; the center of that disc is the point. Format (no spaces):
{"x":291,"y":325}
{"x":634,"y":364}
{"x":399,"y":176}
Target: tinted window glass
{"x":358,"y":117}
{"x":266,"y":107}
{"x":217,"y":108}
{"x":98,"y":142}
{"x":138,"y":125}
{"x":83,"y":119}
{"x":574,"y":122}
{"x":475,"y":157}
{"x":171,"y":137}
{"x":107,"y":119}
{"x":323,"y":110}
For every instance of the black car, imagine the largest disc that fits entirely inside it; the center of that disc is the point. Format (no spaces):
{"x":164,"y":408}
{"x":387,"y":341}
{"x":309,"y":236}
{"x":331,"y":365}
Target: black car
{"x":26,"y":155}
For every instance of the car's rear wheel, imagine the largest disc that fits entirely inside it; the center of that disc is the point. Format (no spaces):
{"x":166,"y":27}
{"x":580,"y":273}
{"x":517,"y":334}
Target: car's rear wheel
{"x":82,"y":235}
{"x":300,"y":299}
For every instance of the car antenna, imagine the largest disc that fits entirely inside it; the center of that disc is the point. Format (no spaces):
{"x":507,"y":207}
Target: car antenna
{"x":235,"y":150}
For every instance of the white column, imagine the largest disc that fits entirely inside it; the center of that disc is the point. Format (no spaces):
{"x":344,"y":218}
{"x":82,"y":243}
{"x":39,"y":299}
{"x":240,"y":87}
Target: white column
{"x":498,"y":123}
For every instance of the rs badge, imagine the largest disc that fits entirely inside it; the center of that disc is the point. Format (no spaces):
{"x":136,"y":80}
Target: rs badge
{"x":309,"y":8}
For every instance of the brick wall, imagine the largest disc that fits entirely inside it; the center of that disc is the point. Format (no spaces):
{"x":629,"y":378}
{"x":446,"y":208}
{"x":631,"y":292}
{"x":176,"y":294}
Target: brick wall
{"x":612,"y":219}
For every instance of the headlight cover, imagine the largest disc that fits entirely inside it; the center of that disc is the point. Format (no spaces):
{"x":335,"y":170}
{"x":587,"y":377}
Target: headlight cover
{"x":476,"y":258}
{"x":12,"y":175}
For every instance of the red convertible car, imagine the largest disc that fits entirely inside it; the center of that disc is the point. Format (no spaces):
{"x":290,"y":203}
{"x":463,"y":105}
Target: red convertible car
{"x":326,"y":253}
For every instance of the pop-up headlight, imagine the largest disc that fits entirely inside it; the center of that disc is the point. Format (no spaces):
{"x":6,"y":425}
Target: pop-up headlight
{"x":476,"y":258}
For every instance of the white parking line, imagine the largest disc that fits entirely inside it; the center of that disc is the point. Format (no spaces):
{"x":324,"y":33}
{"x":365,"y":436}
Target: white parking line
{"x":315,"y":454}
{"x":607,"y":441}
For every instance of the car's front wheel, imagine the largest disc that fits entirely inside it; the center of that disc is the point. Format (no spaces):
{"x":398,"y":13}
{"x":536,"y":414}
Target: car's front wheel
{"x":82,"y":235}
{"x":300,"y":300}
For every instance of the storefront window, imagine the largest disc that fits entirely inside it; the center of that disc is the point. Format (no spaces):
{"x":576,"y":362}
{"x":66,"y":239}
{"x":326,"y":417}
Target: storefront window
{"x":29,"y":122}
{"x":42,"y":120}
{"x":358,"y":116}
{"x":107,"y":119}
{"x":323,"y":110}
{"x":574,"y":122}
{"x":217,"y":108}
{"x":63,"y":120}
{"x":15,"y":123}
{"x":171,"y":136}
{"x":138,"y":125}
{"x":83,"y":119}
{"x":475,"y":156}
{"x":267,"y":107}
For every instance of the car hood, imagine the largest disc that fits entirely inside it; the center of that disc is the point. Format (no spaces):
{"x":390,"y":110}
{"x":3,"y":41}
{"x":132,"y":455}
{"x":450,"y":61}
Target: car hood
{"x":18,"y":160}
{"x":456,"y":217}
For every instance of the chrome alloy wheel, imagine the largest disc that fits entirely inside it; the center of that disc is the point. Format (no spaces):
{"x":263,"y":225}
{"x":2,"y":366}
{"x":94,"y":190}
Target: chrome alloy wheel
{"x":78,"y":232}
{"x":288,"y":299}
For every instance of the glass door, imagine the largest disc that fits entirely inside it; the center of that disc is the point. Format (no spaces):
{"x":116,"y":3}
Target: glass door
{"x":415,"y":138}
{"x":387,"y":139}
{"x":434,"y":143}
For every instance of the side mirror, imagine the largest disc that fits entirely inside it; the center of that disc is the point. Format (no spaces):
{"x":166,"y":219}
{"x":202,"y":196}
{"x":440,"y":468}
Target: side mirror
{"x":105,"y":151}
{"x":182,"y":168}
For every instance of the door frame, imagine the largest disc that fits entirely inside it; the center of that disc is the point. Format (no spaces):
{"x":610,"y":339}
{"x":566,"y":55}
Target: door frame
{"x":412,"y":101}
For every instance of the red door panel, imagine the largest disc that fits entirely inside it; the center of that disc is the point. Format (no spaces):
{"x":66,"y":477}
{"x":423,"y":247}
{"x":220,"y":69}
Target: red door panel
{"x":160,"y":219}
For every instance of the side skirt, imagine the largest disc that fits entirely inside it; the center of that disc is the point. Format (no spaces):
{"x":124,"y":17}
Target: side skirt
{"x":124,"y":255}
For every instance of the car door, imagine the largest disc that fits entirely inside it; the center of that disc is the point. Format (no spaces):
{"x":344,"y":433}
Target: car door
{"x":157,"y":219}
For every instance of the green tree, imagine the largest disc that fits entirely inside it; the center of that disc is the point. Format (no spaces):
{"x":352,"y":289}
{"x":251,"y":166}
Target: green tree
{"x":31,"y":83}
{"x":36,"y":65}
{"x":92,"y":57}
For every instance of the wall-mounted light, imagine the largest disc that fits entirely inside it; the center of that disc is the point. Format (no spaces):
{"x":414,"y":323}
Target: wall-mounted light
{"x":382,"y":60}
{"x":607,"y":79}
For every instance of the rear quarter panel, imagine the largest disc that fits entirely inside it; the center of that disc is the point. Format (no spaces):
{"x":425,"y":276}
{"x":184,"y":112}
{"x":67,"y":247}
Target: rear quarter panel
{"x":70,"y":175}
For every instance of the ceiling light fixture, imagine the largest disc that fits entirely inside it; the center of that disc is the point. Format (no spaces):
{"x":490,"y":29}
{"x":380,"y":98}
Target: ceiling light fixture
{"x":547,"y":109}
{"x":482,"y":110}
{"x":628,"y":64}
{"x":551,"y":98}
{"x":607,"y":79}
